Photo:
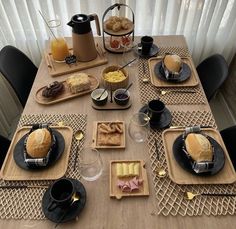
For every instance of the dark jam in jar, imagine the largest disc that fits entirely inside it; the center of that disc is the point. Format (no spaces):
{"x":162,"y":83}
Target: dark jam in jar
{"x":121,"y":96}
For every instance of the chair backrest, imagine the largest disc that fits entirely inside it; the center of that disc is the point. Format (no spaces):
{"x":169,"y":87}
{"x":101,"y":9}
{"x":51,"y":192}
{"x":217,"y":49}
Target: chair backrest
{"x":18,"y":70}
{"x":212,"y":72}
{"x":4,"y":145}
{"x":229,"y":138}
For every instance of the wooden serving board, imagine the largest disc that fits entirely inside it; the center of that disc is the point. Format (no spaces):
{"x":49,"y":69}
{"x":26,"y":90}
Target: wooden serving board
{"x":112,"y":106}
{"x":191,"y":82}
{"x":57,"y":69}
{"x":11,"y":171}
{"x":95,"y":136}
{"x":116,"y":192}
{"x":178,"y":175}
{"x":66,"y":94}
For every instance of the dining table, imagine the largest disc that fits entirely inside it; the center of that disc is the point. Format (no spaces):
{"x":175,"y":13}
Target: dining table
{"x":164,"y":207}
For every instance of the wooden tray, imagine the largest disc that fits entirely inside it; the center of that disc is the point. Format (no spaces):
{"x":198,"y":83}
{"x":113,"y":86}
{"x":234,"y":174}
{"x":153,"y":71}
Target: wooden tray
{"x":10,"y":170}
{"x":226,"y":176}
{"x":116,"y":192}
{"x":66,"y":93}
{"x":57,"y":69}
{"x":112,"y":106}
{"x":191,"y":82}
{"x":95,"y":136}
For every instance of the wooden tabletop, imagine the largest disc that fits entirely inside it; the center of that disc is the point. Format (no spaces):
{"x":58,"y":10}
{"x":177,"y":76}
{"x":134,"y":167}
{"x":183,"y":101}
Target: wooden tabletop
{"x":101,"y":211}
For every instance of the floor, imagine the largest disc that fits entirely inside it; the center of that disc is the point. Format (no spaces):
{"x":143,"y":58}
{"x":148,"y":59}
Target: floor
{"x":221,"y":112}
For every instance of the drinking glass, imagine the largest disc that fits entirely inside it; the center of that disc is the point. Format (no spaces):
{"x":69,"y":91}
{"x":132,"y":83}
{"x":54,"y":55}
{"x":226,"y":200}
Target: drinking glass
{"x":58,"y":45}
{"x":129,"y":53}
{"x":139,"y":127}
{"x":90,"y":164}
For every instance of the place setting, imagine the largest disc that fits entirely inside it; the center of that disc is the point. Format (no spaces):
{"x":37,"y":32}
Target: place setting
{"x":38,"y":151}
{"x":171,"y":70}
{"x":197,"y":155}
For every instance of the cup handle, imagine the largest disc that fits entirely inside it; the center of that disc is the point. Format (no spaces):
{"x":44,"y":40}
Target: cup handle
{"x":149,"y":114}
{"x":52,"y":206}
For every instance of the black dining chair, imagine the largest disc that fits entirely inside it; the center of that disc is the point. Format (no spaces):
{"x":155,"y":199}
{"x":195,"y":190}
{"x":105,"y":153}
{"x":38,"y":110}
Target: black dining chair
{"x":212,"y":72}
{"x":229,"y":138}
{"x":4,"y":145}
{"x":18,"y":70}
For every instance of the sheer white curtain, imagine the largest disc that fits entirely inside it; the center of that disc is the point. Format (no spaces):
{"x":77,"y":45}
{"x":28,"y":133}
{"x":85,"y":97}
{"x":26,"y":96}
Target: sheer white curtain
{"x":208,"y":25}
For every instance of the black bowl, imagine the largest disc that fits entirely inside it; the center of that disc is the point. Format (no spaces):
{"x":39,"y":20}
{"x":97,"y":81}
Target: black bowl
{"x":97,"y":93}
{"x":120,"y":97}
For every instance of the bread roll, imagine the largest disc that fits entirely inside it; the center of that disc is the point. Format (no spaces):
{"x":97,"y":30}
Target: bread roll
{"x":199,"y":147}
{"x":173,"y":63}
{"x":39,"y":143}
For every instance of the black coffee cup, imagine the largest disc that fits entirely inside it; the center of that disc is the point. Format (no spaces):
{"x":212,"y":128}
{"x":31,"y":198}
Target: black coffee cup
{"x":146,"y":43}
{"x":61,"y":194}
{"x":155,"y":109}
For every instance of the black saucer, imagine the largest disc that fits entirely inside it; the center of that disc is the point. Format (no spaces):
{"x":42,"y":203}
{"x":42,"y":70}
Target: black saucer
{"x":72,"y":212}
{"x":18,"y":153}
{"x":164,"y":121}
{"x":153,"y":51}
{"x":184,"y":162}
{"x":184,"y":74}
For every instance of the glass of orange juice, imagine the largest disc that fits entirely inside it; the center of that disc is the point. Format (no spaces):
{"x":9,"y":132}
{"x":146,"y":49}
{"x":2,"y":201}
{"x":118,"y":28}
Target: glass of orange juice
{"x":58,"y":45}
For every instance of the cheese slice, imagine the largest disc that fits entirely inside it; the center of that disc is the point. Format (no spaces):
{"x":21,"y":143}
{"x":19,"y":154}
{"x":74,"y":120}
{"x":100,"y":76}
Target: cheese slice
{"x":119,"y":170}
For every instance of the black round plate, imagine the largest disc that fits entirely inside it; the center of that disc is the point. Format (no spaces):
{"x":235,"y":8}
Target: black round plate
{"x":153,"y":51}
{"x":164,"y":121}
{"x":184,"y":75}
{"x":72,"y":212}
{"x":184,"y":162}
{"x":18,"y":153}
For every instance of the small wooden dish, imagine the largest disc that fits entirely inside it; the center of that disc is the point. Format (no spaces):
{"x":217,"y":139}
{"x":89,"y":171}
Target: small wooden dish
{"x":66,"y":94}
{"x":112,"y":106}
{"x":114,"y":85}
{"x":96,"y":135}
{"x":116,"y":192}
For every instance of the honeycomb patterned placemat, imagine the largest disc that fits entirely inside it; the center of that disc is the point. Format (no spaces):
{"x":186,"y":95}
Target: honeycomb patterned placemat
{"x":170,"y":97}
{"x":26,"y":203}
{"x":169,"y":195}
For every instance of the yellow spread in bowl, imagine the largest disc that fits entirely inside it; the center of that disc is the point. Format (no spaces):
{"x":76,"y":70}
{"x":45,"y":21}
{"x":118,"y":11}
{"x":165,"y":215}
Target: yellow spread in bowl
{"x":114,"y":77}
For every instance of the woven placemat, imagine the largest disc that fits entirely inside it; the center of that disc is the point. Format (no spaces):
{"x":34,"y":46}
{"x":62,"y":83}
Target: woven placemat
{"x":26,"y":203}
{"x":168,"y":98}
{"x":169,"y":195}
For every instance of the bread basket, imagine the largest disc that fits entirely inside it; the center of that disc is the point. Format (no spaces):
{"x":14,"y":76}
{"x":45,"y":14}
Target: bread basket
{"x":114,"y":85}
